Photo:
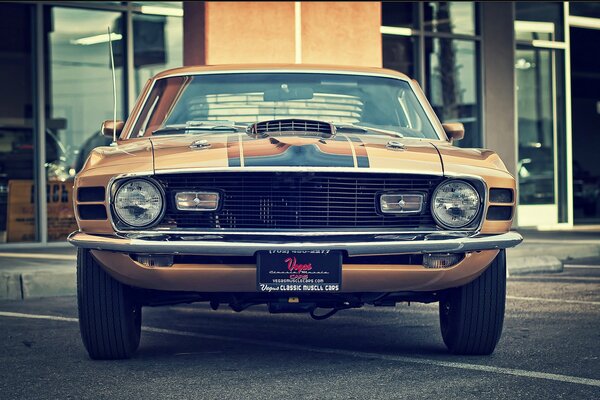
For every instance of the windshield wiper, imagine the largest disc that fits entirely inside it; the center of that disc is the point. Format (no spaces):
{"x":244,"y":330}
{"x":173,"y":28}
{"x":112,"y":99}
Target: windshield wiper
{"x":351,"y":128}
{"x":198,"y":126}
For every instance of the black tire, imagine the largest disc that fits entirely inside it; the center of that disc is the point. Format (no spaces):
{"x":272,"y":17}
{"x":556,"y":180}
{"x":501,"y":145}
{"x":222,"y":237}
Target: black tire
{"x":472,"y":315}
{"x":110,"y":321}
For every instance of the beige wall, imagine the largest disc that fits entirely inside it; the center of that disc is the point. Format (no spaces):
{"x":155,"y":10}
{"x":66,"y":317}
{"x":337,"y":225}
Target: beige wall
{"x":344,"y":33}
{"x":249,"y":32}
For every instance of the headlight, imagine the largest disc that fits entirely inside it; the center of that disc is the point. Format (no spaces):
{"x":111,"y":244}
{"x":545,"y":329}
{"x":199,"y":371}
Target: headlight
{"x":138,"y":203}
{"x":455,"y":204}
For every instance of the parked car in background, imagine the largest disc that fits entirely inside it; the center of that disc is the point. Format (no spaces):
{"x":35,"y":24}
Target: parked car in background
{"x":306,"y":188}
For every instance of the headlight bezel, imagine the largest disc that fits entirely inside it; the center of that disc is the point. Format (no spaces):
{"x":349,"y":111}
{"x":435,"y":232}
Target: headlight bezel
{"x":118,"y":222}
{"x":479,"y":188}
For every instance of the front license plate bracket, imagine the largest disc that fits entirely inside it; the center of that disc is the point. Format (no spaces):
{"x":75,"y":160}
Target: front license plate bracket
{"x":299,"y":271}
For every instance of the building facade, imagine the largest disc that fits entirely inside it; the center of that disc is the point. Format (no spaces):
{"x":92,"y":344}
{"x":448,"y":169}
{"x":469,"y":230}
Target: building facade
{"x":524,"y":79}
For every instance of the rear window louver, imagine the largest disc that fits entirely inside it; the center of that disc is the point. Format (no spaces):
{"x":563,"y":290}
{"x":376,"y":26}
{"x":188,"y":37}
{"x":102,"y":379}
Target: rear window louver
{"x":300,"y":127}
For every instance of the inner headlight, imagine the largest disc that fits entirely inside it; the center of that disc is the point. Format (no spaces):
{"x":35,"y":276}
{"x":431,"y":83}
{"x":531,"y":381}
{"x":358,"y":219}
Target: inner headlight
{"x":455,"y":204}
{"x":138,"y":203}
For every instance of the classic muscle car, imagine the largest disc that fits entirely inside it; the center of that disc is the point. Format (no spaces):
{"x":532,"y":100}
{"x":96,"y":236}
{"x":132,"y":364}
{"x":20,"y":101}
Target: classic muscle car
{"x":305,"y":188}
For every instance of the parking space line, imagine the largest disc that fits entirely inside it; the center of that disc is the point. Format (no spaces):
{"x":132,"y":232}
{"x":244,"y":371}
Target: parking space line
{"x":582,"y":266}
{"x":35,"y":316}
{"x":547,"y":278}
{"x":348,"y":353}
{"x":596,"y":303}
{"x":40,"y":256}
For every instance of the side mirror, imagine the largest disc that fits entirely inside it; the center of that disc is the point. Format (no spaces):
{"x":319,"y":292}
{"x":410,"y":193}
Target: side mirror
{"x":109,"y":127}
{"x":454,"y":130}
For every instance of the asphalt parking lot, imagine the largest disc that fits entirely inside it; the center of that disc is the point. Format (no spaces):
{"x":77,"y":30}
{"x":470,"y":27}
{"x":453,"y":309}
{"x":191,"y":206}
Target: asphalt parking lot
{"x":549,"y":349}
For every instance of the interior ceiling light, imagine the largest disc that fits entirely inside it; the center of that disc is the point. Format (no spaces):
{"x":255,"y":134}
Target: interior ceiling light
{"x":103,"y":38}
{"x":393,"y":30}
{"x":154,"y":10}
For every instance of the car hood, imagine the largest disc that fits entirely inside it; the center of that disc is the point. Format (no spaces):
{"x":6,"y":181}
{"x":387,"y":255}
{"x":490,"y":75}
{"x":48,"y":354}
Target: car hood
{"x":231,"y":150}
{"x":459,"y":161}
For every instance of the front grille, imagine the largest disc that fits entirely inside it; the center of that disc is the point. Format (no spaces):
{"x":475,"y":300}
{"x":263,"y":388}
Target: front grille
{"x":296,"y":201}
{"x":303,"y":126}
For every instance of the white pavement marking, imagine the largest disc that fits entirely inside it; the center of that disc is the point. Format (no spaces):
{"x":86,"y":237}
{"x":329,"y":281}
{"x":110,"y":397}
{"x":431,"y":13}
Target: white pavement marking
{"x":348,"y":353}
{"x":40,"y":256}
{"x":35,"y":316}
{"x":596,"y":303}
{"x":549,"y":277}
{"x":576,"y":266}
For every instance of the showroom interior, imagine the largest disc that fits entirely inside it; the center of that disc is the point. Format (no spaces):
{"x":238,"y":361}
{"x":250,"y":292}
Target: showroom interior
{"x":523,"y":78}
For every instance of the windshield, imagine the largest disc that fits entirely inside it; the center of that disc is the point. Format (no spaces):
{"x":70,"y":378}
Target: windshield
{"x":236,"y":100}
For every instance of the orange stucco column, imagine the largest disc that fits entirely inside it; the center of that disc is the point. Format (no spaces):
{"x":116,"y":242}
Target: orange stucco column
{"x":344,"y":33}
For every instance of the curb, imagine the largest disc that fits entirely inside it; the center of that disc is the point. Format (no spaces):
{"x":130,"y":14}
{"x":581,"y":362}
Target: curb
{"x":16,"y":285}
{"x":533,"y":265}
{"x":533,"y":258}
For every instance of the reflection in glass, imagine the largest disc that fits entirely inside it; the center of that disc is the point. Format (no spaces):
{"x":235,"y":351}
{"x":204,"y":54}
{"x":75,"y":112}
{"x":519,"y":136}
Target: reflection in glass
{"x":157,"y":44}
{"x":536,"y":125}
{"x":399,"y":14}
{"x":450,"y":17}
{"x":80,"y":98}
{"x":399,"y":53}
{"x":539,"y":21}
{"x":590,"y":9}
{"x":17,"y":142}
{"x":452,"y":88}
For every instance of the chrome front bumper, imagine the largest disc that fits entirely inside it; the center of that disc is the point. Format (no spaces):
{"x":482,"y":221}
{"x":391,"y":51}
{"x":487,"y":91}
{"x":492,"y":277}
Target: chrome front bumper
{"x":244,"y":247}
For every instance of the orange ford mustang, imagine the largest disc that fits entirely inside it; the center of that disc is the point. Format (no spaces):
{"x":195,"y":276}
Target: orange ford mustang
{"x":307,"y":188}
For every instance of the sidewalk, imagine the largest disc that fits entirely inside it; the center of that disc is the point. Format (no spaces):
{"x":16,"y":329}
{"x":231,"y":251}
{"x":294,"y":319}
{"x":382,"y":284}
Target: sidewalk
{"x":44,"y":272}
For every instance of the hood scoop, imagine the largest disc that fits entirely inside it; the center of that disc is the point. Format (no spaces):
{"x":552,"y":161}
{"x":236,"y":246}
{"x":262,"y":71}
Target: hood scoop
{"x":291,"y":127}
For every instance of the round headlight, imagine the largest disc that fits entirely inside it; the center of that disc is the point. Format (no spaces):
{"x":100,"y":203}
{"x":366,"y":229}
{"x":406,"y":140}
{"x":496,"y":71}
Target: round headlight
{"x":455,"y":204}
{"x":138,"y":203}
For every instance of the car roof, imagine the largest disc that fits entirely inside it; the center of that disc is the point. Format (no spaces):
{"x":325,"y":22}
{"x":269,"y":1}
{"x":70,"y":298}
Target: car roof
{"x":198,"y":69}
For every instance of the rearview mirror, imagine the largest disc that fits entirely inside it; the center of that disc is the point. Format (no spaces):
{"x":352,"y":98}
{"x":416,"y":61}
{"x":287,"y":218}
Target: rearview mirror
{"x":110,"y":127}
{"x":454,"y":130}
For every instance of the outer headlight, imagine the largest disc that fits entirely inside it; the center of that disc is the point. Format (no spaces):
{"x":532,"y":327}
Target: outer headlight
{"x":138,"y":203}
{"x":455,"y":204}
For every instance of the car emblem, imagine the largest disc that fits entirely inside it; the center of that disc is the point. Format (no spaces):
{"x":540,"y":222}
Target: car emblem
{"x":401,"y":203}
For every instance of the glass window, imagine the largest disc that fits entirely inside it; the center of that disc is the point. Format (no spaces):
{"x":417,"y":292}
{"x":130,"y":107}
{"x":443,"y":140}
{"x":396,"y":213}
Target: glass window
{"x":400,"y":14}
{"x":79,"y":88}
{"x":157,"y":45}
{"x":590,"y":9}
{"x":450,"y":17}
{"x":400,"y":53}
{"x":539,"y":21}
{"x":385,"y":104}
{"x":452,"y":84}
{"x":17,"y":138}
{"x":537,"y":109}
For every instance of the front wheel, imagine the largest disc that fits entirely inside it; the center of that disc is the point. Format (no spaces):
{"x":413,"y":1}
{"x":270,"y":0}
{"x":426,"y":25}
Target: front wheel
{"x":110,"y":321}
{"x":472,"y":315}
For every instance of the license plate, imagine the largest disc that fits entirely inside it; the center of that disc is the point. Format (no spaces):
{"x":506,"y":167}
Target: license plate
{"x":299,"y":271}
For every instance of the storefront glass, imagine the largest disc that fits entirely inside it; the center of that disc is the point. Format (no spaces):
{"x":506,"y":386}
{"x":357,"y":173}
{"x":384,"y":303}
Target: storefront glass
{"x":543,"y":171}
{"x":536,"y":125}
{"x":456,"y":17}
{"x":539,"y":20}
{"x":400,"y":53}
{"x":157,"y":44}
{"x":442,"y":54}
{"x":79,"y":95}
{"x":17,"y":125}
{"x":451,"y":73}
{"x":400,"y":14}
